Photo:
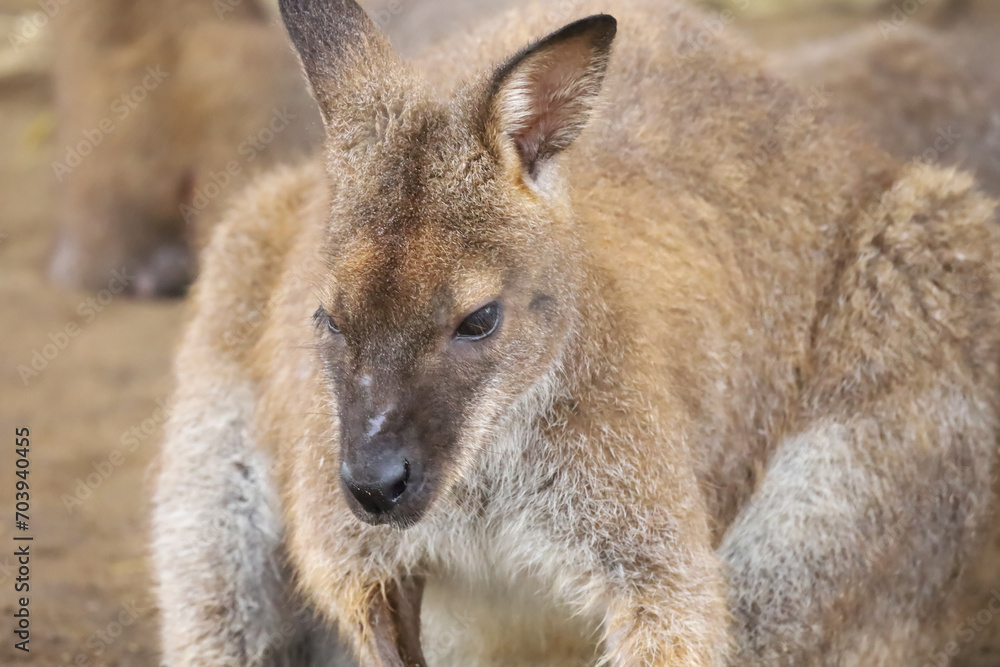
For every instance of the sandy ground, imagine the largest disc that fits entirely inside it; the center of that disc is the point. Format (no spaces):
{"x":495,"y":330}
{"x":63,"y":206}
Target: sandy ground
{"x":88,"y":570}
{"x":94,"y":401}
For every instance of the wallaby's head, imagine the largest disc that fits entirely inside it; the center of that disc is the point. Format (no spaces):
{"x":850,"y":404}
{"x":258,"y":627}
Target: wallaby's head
{"x":449,"y":288}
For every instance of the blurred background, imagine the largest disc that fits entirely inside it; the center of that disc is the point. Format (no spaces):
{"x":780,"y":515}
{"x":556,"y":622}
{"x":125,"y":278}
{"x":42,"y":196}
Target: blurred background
{"x":126,"y":124}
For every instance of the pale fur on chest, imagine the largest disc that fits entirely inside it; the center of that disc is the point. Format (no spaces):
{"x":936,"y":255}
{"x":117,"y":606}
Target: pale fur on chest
{"x":480,"y":532}
{"x":493,"y":577}
{"x":491,"y":572}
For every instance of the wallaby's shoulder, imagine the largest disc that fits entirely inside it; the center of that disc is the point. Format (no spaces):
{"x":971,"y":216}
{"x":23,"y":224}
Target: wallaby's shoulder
{"x":262,"y":237}
{"x":922,"y":270}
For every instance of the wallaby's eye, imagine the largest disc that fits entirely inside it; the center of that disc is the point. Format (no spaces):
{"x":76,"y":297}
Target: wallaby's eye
{"x":480,"y":324}
{"x":322,"y":316}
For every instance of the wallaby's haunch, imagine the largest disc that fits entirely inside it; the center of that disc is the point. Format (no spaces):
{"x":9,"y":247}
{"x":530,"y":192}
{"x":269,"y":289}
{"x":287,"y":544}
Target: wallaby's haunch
{"x":543,"y":365}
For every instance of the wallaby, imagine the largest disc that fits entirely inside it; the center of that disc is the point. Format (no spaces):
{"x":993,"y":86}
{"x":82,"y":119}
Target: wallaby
{"x":916,"y":91}
{"x":164,"y":111}
{"x":540,"y":364}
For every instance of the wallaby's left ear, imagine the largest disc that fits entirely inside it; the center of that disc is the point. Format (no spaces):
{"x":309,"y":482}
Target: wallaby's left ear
{"x":542,"y":98}
{"x":342,"y":50}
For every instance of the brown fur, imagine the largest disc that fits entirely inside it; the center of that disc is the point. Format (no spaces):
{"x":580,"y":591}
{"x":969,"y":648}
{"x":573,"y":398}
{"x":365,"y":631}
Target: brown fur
{"x":143,"y":196}
{"x":917,"y":92}
{"x":920,"y":10}
{"x":724,"y":390}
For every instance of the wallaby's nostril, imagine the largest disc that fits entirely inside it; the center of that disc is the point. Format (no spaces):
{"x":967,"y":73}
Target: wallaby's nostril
{"x":378,"y":487}
{"x":399,"y":487}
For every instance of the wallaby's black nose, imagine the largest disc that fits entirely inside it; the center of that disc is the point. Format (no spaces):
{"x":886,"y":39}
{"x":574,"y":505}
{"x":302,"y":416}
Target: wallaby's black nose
{"x":379,"y":485}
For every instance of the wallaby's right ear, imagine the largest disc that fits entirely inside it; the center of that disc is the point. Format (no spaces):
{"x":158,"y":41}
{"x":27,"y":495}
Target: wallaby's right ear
{"x":341,"y":48}
{"x":541,"y":99}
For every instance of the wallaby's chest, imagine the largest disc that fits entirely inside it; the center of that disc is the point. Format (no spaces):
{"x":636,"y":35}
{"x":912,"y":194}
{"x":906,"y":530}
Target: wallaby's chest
{"x":488,"y":604}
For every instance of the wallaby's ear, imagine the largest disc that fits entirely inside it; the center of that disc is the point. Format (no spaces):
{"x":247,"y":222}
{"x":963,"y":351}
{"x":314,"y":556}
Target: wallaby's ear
{"x":340,"y":47}
{"x":541,"y":99}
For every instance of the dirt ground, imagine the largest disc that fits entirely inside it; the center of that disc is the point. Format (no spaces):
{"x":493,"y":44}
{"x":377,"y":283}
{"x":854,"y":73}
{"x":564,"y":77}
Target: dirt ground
{"x":95,"y":404}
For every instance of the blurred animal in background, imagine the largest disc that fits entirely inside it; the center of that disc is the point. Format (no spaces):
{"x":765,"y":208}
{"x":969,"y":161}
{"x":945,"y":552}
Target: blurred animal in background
{"x":904,"y":9}
{"x":165,"y":110}
{"x":920,"y":91}
{"x":612,"y":359}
